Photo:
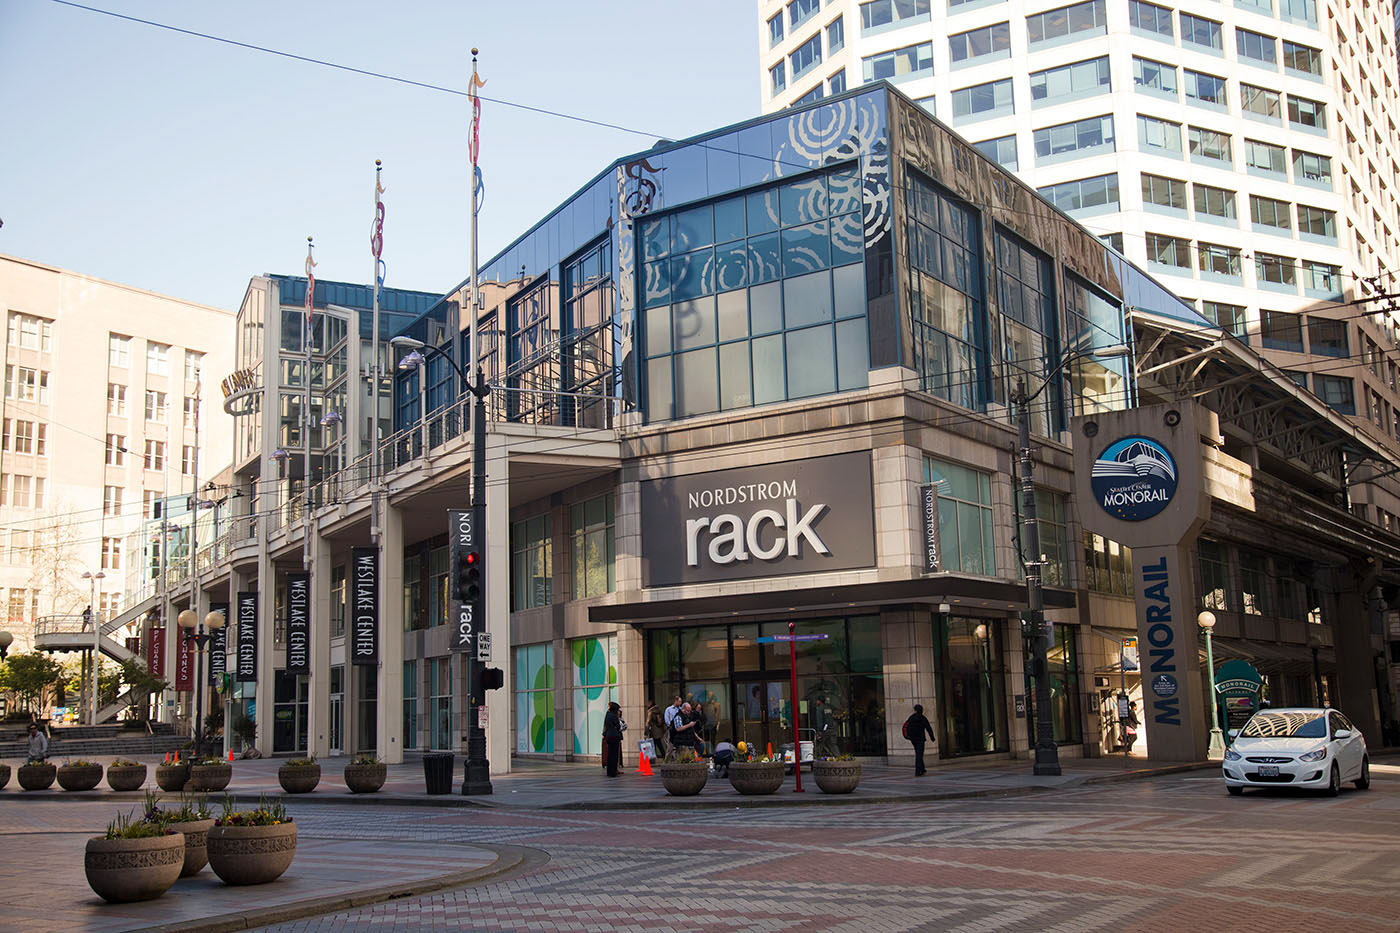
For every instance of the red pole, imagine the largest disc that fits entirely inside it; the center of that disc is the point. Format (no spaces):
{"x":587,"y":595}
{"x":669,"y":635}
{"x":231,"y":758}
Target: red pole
{"x":796,"y":736}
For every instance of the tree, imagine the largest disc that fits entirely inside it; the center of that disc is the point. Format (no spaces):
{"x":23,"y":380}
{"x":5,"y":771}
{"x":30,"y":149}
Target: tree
{"x":142,"y":684}
{"x":28,"y":676}
{"x":54,"y":559}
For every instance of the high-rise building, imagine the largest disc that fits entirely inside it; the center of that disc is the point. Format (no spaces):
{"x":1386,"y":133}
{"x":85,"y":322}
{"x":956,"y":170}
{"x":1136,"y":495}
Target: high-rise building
{"x":103,"y":386}
{"x":1245,"y":153}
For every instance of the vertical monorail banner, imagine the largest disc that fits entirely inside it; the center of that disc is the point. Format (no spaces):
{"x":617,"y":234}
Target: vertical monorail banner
{"x":218,"y":646}
{"x":364,"y":605}
{"x":248,"y":637}
{"x":299,"y":623}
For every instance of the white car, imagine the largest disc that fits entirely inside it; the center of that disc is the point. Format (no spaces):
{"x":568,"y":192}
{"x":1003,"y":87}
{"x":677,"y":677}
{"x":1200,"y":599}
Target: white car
{"x":1309,"y":748}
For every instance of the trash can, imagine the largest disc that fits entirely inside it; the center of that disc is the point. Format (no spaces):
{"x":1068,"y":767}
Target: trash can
{"x":437,"y":772}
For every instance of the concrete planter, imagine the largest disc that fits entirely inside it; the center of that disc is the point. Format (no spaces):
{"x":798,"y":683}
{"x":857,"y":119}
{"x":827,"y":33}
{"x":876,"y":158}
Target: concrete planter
{"x":365,"y":779}
{"x":4,"y":776}
{"x":252,"y":854}
{"x":122,"y":870}
{"x":299,"y":779}
{"x":172,"y":777}
{"x":79,"y":777}
{"x":210,"y":777}
{"x":37,"y":777}
{"x":196,"y":833}
{"x":836,"y":777}
{"x":752,"y":778}
{"x":683,"y":780}
{"x":126,"y":777}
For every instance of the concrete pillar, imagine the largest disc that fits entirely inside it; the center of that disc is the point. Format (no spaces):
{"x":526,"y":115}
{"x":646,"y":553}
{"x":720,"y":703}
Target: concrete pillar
{"x":266,"y":585}
{"x":389,"y":706}
{"x":1351,"y":634}
{"x":498,"y":702}
{"x":318,"y":716}
{"x":907,"y":645}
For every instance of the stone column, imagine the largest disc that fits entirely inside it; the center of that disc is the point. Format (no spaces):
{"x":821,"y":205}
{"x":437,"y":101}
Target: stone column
{"x":389,"y":705}
{"x":319,"y":717}
{"x":1351,"y":634}
{"x":498,"y":702}
{"x":907,"y":645}
{"x":266,"y":585}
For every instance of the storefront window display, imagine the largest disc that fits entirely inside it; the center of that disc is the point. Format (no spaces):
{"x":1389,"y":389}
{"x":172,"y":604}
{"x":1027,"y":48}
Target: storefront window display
{"x":534,"y":699}
{"x":595,"y":686}
{"x":1063,"y":663}
{"x":971,"y":685}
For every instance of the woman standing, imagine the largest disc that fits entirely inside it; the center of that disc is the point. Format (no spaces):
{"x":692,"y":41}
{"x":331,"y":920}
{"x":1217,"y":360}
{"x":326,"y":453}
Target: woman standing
{"x":612,"y":738}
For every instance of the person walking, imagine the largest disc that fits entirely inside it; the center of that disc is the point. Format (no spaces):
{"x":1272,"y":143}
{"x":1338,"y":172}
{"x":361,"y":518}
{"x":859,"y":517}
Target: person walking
{"x":915,"y":728}
{"x":1130,"y":728}
{"x":656,"y":731}
{"x":38,"y":744}
{"x":613,"y":727}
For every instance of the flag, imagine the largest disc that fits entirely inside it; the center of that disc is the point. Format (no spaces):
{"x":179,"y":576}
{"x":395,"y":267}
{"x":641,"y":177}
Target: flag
{"x":376,"y":232}
{"x":478,"y":186}
{"x":310,"y":286}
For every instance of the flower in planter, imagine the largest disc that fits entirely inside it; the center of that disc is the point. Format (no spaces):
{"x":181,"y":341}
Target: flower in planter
{"x":266,"y":814}
{"x":301,"y":762}
{"x":127,"y":826}
{"x":192,"y":807}
{"x":78,"y":763}
{"x":841,"y":757}
{"x":364,"y":760}
{"x":125,"y":763}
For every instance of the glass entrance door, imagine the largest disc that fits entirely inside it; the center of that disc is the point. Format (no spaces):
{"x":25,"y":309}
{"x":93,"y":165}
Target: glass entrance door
{"x":763,"y":714}
{"x":337,"y":710}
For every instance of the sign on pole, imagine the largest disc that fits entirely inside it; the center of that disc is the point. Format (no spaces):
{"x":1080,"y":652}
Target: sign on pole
{"x":365,"y":618}
{"x":483,"y":646}
{"x":299,"y":623}
{"x":928,"y":504}
{"x":248,"y":636}
{"x":769,"y":639}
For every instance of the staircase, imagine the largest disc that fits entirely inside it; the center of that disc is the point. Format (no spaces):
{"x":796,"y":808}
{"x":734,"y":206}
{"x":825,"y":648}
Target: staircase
{"x":88,"y":741}
{"x":73,"y":632}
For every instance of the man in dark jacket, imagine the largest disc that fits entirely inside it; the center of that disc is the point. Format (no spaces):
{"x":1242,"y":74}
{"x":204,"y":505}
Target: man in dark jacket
{"x":612,"y":738}
{"x":915,"y":728}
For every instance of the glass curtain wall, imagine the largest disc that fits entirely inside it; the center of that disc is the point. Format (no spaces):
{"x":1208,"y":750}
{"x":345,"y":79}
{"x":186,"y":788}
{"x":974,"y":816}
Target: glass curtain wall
{"x":534,"y":699}
{"x":410,"y":704}
{"x":971,"y":685}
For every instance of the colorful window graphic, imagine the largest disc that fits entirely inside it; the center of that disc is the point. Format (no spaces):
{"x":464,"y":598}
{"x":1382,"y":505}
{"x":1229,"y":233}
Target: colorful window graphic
{"x":595,"y":686}
{"x":534,"y":699}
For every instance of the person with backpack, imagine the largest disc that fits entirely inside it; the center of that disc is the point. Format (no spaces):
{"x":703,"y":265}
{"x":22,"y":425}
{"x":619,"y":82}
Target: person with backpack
{"x":915,"y":728}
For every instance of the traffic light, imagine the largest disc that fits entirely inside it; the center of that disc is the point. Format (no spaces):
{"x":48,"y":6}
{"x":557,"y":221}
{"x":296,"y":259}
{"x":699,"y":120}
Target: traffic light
{"x":469,"y":576}
{"x":492,"y":678}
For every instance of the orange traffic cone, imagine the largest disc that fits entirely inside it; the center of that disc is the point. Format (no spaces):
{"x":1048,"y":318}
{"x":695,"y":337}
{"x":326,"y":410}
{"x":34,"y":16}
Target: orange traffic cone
{"x":644,"y":766}
{"x":230,"y":755}
{"x":770,"y":749}
{"x":167,"y":758}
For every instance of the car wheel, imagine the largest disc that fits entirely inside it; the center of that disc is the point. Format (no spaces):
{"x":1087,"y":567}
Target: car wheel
{"x":1334,"y":784}
{"x":1363,"y":781}
{"x":1234,"y":791}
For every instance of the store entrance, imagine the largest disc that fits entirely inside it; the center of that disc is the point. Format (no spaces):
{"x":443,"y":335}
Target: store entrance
{"x":763,"y":712}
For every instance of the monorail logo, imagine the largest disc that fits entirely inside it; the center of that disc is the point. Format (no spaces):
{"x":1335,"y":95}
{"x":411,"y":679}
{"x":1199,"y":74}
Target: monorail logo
{"x":1134,"y":479}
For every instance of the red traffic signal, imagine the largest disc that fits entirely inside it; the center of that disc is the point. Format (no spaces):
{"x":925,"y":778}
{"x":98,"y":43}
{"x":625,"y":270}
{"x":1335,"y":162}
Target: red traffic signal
{"x":469,"y":577}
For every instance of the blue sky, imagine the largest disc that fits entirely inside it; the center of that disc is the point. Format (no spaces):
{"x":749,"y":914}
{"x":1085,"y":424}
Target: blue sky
{"x":186,"y":166}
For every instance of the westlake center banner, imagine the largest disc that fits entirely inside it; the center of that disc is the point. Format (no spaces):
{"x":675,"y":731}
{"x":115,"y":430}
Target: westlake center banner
{"x":299,"y":623}
{"x":247,"y":669}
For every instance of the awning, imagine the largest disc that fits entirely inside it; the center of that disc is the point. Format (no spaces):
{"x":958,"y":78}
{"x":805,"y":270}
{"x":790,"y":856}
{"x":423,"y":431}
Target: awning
{"x":1271,"y":657}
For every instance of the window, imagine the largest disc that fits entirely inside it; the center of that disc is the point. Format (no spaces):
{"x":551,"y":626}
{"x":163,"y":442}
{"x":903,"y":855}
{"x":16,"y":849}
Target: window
{"x":157,"y":359}
{"x":1160,"y":136}
{"x":1256,"y":595}
{"x":155,"y":406}
{"x":534,"y":699}
{"x":1108,"y":564}
{"x":1099,"y":192}
{"x":26,"y":384}
{"x":1264,"y":157}
{"x":1170,"y":251}
{"x":1299,"y":11}
{"x":1327,"y":338}
{"x":440,"y":729}
{"x":1231,"y":318}
{"x":532,"y":566}
{"x":1311,"y":167}
{"x":1062,"y":667}
{"x":1200,"y":31}
{"x":835,"y":35}
{"x":592,"y":546}
{"x":338,"y":603}
{"x":1001,"y":150}
{"x":111,"y":553}
{"x":1270,"y":214}
{"x":800,"y":10}
{"x":882,"y":14}
{"x":984,"y":43}
{"x":23,"y":436}
{"x":1208,"y":145}
{"x":116,"y":449}
{"x":1215,"y":202}
{"x":1206,"y":89}
{"x":1159,"y":191}
{"x":29,"y":332}
{"x":155,"y":455}
{"x":1112,"y":240}
{"x":1277,"y":272}
{"x":1302,"y":59}
{"x":1074,"y":140}
{"x":1054,"y":538}
{"x":116,"y":400}
{"x":23,"y":484}
{"x":1216,"y":259}
{"x":1149,"y":18}
{"x":982,"y":101}
{"x":1281,"y":330}
{"x":190,"y":413}
{"x":1317,"y":223}
{"x":187,"y":460}
{"x":118,"y":350}
{"x":912,"y":61}
{"x":1025,"y":288}
{"x":1077,"y":21}
{"x":775,"y":30}
{"x":1305,"y":112}
{"x":1213,"y":565}
{"x":836,"y":83}
{"x":777,"y":79}
{"x":964,"y":516}
{"x":1069,"y":82}
{"x":1154,"y":76}
{"x":1261,"y":103}
{"x":1263,"y":6}
{"x":1337,"y":391}
{"x":1256,"y":47}
{"x":595,"y":686}
{"x":194,"y":364}
{"x":805,"y":56}
{"x":111,"y":500}
{"x":1322,"y":280}
{"x":946,"y":289}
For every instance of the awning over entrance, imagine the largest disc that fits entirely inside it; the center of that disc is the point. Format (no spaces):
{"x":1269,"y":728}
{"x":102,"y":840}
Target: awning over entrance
{"x":962,"y":593}
{"x":1272,"y":658}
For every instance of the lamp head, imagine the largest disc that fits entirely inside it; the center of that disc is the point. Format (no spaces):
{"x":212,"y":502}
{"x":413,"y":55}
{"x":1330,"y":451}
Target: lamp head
{"x":944,"y":608}
{"x":1114,"y":352}
{"x":405,"y":342}
{"x":187,"y":619}
{"x":1206,"y":620}
{"x":279,"y":454}
{"x":214,"y":621}
{"x":412,"y":361}
{"x":331,"y":417}
{"x":6,"y":639}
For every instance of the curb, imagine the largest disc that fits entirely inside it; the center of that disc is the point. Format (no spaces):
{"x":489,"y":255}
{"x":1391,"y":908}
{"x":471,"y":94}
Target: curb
{"x":508,"y":859}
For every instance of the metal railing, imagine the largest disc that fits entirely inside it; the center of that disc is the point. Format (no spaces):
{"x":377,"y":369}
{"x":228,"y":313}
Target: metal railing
{"x":71,"y":623}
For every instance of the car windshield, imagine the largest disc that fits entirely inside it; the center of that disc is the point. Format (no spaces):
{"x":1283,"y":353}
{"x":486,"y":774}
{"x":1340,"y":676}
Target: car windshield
{"x":1286,"y":726}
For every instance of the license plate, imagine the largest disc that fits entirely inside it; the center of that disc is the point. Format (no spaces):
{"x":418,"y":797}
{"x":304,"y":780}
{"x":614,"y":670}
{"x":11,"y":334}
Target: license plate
{"x":1268,"y":770}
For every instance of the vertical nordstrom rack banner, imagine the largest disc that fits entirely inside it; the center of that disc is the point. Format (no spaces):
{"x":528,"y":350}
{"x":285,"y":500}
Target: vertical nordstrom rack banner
{"x":248,"y":637}
{"x":184,"y":662}
{"x":364,"y":604}
{"x":928,"y":508}
{"x":218,"y":645}
{"x":298,"y":623}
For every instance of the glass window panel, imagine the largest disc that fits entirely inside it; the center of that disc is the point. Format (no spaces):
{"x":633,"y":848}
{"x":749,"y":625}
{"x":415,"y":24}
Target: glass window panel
{"x":852,"y":355}
{"x":697,"y":387}
{"x":656,"y":238}
{"x":762,"y":211}
{"x":734,"y":385}
{"x":811,"y":362}
{"x":803,"y":202}
{"x":806,"y":249}
{"x":768,"y":371}
{"x":658,"y":282}
{"x":732,"y":310}
{"x":731,"y":265}
{"x":847,"y":239}
{"x":844,"y":191}
{"x":807,"y":299}
{"x":659,"y":388}
{"x":693,"y":274}
{"x":692,"y":228}
{"x":729,"y":220}
{"x":849,"y":285}
{"x":693,"y":323}
{"x":766,"y":308}
{"x":658,"y":330}
{"x":764,"y":258}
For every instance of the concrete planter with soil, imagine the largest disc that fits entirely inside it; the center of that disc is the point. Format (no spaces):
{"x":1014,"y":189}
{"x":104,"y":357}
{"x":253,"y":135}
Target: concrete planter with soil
{"x":85,"y":776}
{"x":752,"y":778}
{"x":4,"y":776}
{"x":37,"y":777}
{"x":365,"y":779}
{"x":172,"y":777}
{"x":299,"y":779}
{"x":208,"y":778}
{"x":683,"y":779}
{"x":836,"y":777}
{"x":196,"y":833}
{"x":122,"y":870}
{"x":252,"y":854}
{"x":126,"y":777}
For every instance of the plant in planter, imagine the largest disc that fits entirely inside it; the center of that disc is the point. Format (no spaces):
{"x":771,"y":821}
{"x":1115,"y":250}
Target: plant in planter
{"x":134,"y":861}
{"x":252,"y":846}
{"x":209,"y":774}
{"x":36,"y":774}
{"x":192,"y":820}
{"x":684,"y":773}
{"x":365,"y":774}
{"x":172,"y":775}
{"x":125,"y":774}
{"x":757,"y":776}
{"x":837,"y":774}
{"x":246,"y":730}
{"x":79,"y":774}
{"x":299,"y":775}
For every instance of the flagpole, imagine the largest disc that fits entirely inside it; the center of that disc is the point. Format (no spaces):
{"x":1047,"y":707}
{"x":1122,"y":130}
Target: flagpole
{"x":474,"y":346}
{"x":306,"y":411}
{"x":376,"y":243}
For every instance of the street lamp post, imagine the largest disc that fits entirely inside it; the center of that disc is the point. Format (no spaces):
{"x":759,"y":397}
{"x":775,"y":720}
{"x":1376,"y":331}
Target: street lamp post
{"x":1047,"y":753}
{"x":92,"y":579}
{"x":195,"y":631}
{"x":1206,"y":620}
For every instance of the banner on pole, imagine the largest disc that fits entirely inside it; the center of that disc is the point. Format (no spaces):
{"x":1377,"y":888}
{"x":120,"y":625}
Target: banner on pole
{"x":184,"y":662}
{"x":155,"y":652}
{"x":299,"y":623}
{"x":218,"y":646}
{"x":365,"y":615}
{"x":248,"y":637}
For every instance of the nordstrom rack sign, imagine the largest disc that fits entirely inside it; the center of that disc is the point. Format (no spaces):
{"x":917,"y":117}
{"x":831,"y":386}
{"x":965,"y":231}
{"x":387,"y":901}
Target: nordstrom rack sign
{"x":801,"y":516}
